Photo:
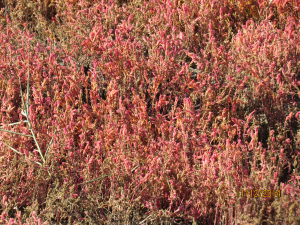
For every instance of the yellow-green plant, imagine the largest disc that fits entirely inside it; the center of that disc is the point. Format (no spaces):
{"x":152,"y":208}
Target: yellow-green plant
{"x":25,"y":113}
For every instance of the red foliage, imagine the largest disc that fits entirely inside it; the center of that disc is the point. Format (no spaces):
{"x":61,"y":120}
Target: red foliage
{"x":163,"y":109}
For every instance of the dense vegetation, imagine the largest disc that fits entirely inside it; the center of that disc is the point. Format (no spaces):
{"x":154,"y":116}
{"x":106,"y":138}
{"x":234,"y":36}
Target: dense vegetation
{"x":143,"y":112}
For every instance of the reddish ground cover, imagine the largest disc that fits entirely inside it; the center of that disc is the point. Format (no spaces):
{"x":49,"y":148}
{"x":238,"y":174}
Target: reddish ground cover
{"x":147,"y":112}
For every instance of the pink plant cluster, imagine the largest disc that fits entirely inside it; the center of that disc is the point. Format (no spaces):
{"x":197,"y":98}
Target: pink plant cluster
{"x":163,"y":110}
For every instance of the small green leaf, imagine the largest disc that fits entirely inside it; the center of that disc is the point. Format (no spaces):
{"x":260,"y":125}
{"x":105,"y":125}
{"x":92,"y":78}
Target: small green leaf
{"x":134,"y":169}
{"x":168,"y":182}
{"x":20,"y":153}
{"x":15,"y":133}
{"x":11,"y":124}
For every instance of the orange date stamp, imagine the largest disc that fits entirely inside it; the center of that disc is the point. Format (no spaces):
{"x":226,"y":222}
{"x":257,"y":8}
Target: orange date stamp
{"x":258,"y":193}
